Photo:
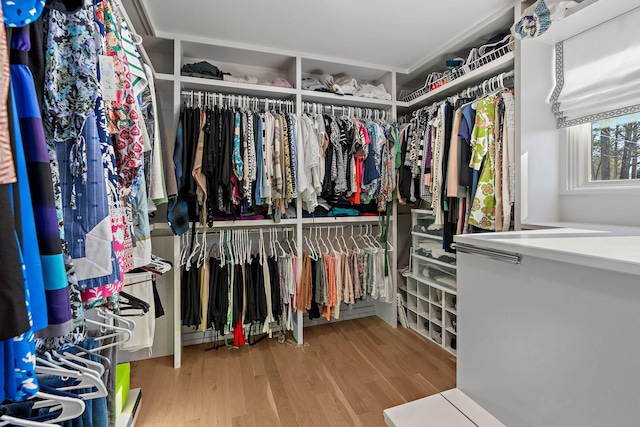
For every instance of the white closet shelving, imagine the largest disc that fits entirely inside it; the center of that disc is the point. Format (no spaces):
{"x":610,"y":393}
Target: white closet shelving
{"x":430,"y":293}
{"x":169,"y":53}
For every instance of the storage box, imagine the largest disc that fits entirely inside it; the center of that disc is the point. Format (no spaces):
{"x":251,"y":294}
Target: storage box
{"x":123,"y":384}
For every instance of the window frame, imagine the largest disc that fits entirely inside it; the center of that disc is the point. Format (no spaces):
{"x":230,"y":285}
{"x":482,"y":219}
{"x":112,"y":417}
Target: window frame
{"x":577,"y":166}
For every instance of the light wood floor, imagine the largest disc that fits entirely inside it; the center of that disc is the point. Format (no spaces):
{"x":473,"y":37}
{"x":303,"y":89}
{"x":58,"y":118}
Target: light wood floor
{"x":348,"y":375}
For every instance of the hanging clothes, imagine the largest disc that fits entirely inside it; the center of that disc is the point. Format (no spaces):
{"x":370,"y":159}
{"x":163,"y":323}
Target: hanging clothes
{"x":40,"y":183}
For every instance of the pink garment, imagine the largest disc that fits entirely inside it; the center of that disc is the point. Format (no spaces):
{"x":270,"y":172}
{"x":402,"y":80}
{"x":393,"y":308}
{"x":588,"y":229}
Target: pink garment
{"x":280,"y":82}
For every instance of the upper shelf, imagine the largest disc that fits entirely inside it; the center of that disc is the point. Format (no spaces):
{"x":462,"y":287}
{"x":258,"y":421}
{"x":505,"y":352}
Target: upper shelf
{"x":504,"y":63}
{"x":346,"y":100}
{"x":586,"y":15}
{"x":221,"y":86}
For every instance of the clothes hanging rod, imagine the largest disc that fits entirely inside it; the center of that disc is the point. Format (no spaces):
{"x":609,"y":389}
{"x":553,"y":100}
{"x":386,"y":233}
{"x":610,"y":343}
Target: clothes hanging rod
{"x":487,"y":86}
{"x":350,"y":111}
{"x":343,"y":226}
{"x":250,"y":230}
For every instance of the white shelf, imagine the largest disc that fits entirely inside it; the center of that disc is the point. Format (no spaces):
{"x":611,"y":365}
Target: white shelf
{"x":452,"y":351}
{"x":129,"y":411}
{"x":436,"y":322}
{"x":340,"y":220}
{"x":250,"y":223}
{"x":221,"y":86}
{"x":346,"y":100}
{"x":429,"y":282}
{"x":452,"y":310}
{"x":165,"y":77}
{"x":504,"y":63}
{"x":435,"y":261}
{"x":451,"y":330}
{"x":427,"y":235}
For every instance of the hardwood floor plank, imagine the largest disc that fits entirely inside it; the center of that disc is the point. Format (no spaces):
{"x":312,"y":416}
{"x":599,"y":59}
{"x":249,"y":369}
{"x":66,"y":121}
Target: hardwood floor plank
{"x":350,"y":372}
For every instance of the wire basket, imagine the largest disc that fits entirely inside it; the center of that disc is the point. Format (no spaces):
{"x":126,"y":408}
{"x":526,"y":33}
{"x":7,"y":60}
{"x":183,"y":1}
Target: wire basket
{"x":436,"y":80}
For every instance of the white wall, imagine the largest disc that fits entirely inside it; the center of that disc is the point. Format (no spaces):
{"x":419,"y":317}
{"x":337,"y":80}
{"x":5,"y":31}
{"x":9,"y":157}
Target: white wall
{"x":539,"y":138}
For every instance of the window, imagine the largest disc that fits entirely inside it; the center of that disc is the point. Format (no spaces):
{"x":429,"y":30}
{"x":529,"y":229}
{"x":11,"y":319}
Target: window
{"x":615,"y":148}
{"x":603,"y":156}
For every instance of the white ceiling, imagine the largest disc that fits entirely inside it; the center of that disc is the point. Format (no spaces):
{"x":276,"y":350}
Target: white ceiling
{"x":397,"y":34}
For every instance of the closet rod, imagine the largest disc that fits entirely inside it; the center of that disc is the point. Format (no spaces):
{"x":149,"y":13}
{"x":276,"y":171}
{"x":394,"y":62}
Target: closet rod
{"x":250,"y":230}
{"x":331,"y":227}
{"x":350,"y":111}
{"x":231,"y":99}
{"x":487,"y":86}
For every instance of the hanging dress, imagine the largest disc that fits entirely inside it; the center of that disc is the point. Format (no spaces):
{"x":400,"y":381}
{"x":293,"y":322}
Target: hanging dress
{"x":483,"y":210}
{"x":42,"y":190}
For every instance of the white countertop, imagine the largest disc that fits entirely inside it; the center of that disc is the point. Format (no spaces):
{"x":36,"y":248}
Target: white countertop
{"x":598,"y":246}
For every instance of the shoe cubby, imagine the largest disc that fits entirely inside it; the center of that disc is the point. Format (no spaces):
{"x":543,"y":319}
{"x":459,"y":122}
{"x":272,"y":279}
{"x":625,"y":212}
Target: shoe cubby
{"x":412,"y":302}
{"x":451,"y":322}
{"x":451,"y":303}
{"x":436,"y":315}
{"x":436,"y":333}
{"x":412,"y":318}
{"x":434,"y":281}
{"x":451,"y":342}
{"x":423,"y":325}
{"x":412,"y":286}
{"x":423,"y":290}
{"x":436,"y":296}
{"x":423,"y":307}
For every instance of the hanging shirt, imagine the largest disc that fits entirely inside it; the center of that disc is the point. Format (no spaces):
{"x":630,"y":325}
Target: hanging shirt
{"x":483,"y":145}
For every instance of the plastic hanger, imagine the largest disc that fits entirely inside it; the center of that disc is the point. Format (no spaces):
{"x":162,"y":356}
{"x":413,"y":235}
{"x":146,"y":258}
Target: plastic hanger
{"x":88,"y":381}
{"x":109,"y":315}
{"x":356,"y":247}
{"x":6,"y":420}
{"x":203,"y":250}
{"x":65,"y":361}
{"x":72,"y":407}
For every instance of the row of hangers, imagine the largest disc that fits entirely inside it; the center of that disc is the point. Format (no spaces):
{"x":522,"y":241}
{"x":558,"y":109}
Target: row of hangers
{"x":69,"y":400}
{"x":235,"y":245}
{"x":489,"y":87}
{"x":319,"y":245}
{"x":350,"y":112}
{"x":242,"y":102}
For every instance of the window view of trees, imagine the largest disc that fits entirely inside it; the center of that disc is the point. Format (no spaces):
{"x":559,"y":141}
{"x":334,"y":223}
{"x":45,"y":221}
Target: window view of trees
{"x":615,"y":146}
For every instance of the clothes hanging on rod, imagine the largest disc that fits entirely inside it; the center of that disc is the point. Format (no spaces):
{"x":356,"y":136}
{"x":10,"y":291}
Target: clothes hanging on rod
{"x":234,"y":160}
{"x":75,"y":203}
{"x":458,"y":155}
{"x":347,"y":159}
{"x":335,"y":272}
{"x":232,"y":282}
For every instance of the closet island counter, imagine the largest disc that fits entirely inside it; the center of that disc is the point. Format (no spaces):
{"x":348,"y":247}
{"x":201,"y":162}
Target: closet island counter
{"x":548,"y":325}
{"x":605,"y":247}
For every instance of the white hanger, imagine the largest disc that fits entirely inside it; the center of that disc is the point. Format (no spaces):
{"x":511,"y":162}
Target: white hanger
{"x":90,"y":366}
{"x":72,"y":408}
{"x":356,"y":247}
{"x":87,"y":381}
{"x":118,"y":332}
{"x":6,"y":420}
{"x":194,"y":251}
{"x":312,"y":252}
{"x":203,"y":250}
{"x":283,"y":253}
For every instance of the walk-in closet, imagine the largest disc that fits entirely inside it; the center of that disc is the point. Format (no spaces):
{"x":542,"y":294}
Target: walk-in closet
{"x":336,"y":214}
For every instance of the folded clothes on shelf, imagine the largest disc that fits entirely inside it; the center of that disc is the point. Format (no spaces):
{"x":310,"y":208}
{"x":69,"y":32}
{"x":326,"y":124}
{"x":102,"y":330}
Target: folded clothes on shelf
{"x":202,"y":69}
